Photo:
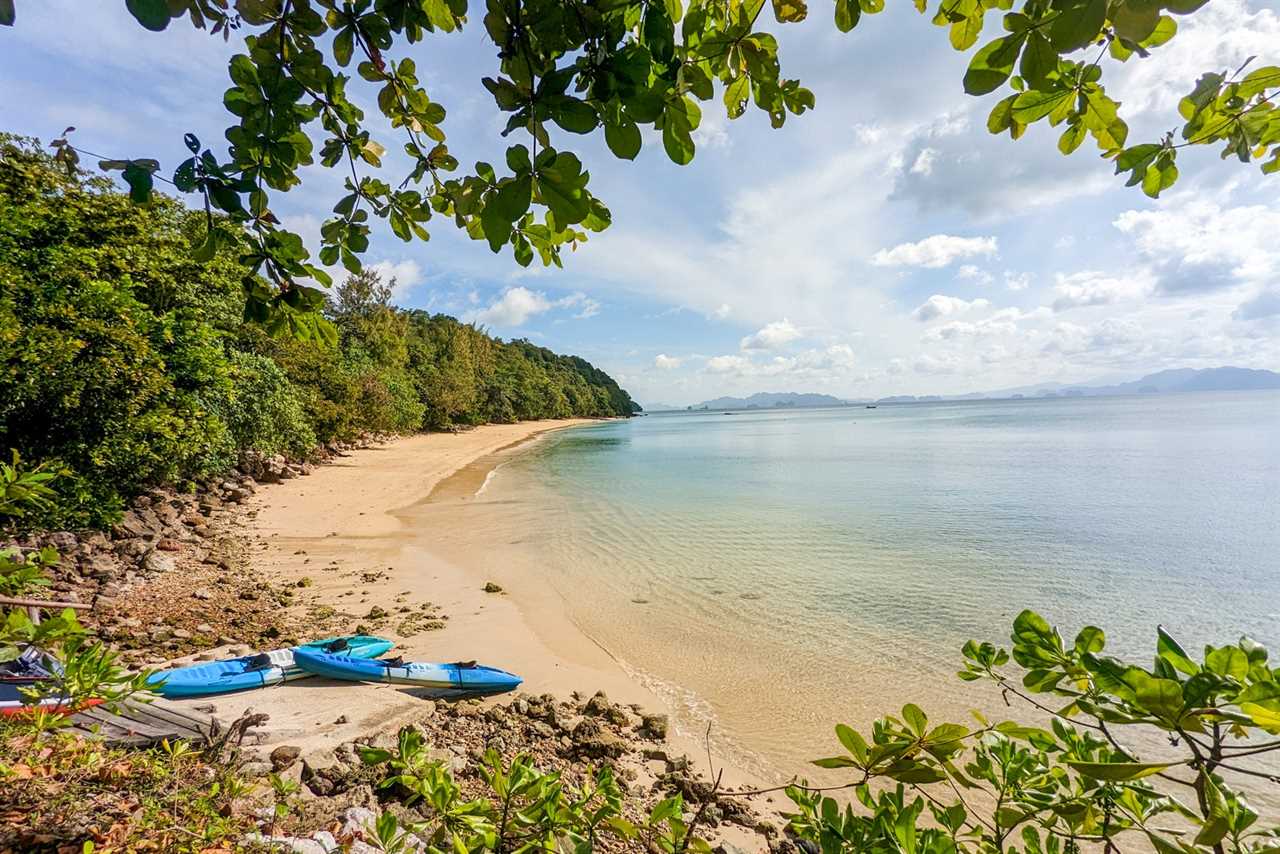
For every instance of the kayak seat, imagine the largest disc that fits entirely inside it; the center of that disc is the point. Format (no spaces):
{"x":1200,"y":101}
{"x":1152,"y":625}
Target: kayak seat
{"x":261,"y":661}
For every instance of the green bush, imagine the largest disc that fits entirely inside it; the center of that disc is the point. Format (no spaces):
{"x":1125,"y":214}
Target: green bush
{"x":264,"y":411}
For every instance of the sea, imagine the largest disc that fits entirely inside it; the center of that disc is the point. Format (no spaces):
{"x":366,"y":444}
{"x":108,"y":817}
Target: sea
{"x":772,"y":573}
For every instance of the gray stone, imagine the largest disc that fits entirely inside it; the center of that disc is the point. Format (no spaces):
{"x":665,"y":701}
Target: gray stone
{"x":158,"y":562}
{"x":284,"y":756}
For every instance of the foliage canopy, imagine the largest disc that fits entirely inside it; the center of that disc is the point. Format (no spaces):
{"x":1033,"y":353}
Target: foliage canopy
{"x":616,"y":67}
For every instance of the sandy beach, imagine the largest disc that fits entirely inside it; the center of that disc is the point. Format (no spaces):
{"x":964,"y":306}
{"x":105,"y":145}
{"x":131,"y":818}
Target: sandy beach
{"x":353,"y":520}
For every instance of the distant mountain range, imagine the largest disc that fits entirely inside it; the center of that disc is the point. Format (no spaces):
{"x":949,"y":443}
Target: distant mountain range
{"x":771,"y":400}
{"x":1162,"y":382}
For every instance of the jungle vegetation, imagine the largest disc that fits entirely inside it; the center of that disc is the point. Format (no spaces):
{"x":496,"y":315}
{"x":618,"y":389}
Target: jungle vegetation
{"x":125,"y":363}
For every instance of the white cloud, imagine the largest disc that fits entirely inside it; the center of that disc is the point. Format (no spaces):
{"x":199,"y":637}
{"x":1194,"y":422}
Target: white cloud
{"x":518,"y":304}
{"x":1017,"y":281}
{"x":514,"y":307}
{"x":727,"y":364}
{"x":933,"y":252}
{"x":1260,"y":305}
{"x":404,"y":276}
{"x":771,"y":337}
{"x":940,"y":305}
{"x":1198,"y":245}
{"x":1089,"y":288}
{"x":924,"y":161}
{"x":973,"y":272}
{"x":666,"y":363}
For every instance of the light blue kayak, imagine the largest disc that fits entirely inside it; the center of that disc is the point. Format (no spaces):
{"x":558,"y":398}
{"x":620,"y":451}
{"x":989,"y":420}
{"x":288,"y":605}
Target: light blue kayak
{"x":257,"y":671}
{"x":460,"y":679}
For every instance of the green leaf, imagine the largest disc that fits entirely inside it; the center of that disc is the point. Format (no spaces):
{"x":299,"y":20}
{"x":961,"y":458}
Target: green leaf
{"x":964,"y":34}
{"x":680,"y":117}
{"x":1267,"y":719}
{"x":1259,"y":80}
{"x":140,"y":182}
{"x":1136,"y":20}
{"x":915,"y":718}
{"x":1038,"y":60}
{"x":848,"y":12}
{"x":511,"y":199}
{"x":152,"y":14}
{"x":623,"y":138}
{"x":788,"y":11}
{"x":992,"y":64}
{"x":6,"y":13}
{"x":1166,"y":647}
{"x":1115,"y":772}
{"x":852,"y":741}
{"x":1034,"y":105}
{"x":1213,"y":831}
{"x":1078,"y":25}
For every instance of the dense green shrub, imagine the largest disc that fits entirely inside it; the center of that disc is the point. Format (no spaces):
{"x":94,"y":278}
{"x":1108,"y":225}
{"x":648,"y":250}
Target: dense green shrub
{"x":264,"y":411}
{"x":92,"y":376}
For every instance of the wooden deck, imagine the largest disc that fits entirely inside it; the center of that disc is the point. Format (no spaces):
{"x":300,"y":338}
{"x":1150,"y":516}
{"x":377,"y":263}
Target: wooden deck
{"x":140,"y":724}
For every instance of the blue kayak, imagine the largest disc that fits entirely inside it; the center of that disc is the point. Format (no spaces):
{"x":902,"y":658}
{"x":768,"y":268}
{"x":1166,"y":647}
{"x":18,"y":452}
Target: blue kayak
{"x":460,"y":679}
{"x":257,"y":671}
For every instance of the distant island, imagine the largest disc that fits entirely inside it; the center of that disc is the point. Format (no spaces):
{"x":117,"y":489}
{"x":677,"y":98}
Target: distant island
{"x":1162,"y":382}
{"x":771,"y":400}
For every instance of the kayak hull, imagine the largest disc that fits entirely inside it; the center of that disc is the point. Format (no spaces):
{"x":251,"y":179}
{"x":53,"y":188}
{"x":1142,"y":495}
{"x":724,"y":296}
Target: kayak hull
{"x":255,"y":671}
{"x":439,"y":680}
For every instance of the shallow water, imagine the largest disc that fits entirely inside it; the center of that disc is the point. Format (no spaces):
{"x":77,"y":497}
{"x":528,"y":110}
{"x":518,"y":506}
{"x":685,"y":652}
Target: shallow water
{"x":791,"y":569}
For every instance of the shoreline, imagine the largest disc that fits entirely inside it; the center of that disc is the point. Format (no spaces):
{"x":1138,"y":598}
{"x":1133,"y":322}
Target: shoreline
{"x":350,"y":536}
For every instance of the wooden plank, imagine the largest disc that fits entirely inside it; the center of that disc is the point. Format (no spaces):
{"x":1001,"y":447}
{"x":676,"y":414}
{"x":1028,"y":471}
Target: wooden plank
{"x":110,"y":734}
{"x":100,"y":715}
{"x":42,"y":603}
{"x":177,"y":716}
{"x":185,"y":729}
{"x":170,"y":709}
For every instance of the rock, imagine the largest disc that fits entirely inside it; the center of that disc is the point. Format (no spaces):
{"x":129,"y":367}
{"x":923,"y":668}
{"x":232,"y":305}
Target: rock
{"x":284,"y":756}
{"x":605,"y":745}
{"x":490,"y":587}
{"x":202,"y":593}
{"x":728,"y":848}
{"x":256,"y":769}
{"x":101,"y":566}
{"x":597,"y":705}
{"x":376,"y":613}
{"x":294,"y":844}
{"x":63,"y":541}
{"x":169,"y":545}
{"x":357,"y":820}
{"x":654,"y":754}
{"x":131,"y":525}
{"x":181,"y":634}
{"x":158,"y":562}
{"x":204,"y":629}
{"x":542,"y":730}
{"x":713,"y":815}
{"x":341,"y":719}
{"x":655,"y":726}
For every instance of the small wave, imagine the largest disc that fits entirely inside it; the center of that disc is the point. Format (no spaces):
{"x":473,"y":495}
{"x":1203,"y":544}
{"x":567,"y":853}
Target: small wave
{"x":693,"y":718}
{"x":488,"y":478}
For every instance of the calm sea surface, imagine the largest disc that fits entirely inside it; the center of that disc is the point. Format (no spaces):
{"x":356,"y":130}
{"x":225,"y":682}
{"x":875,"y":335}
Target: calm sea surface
{"x":779,"y":571}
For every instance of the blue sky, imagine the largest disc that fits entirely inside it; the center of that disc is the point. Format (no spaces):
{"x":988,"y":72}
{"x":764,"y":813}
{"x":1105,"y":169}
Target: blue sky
{"x":883,"y":243}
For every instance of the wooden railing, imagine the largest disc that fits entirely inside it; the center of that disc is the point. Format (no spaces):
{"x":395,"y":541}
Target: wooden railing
{"x":35,"y":606}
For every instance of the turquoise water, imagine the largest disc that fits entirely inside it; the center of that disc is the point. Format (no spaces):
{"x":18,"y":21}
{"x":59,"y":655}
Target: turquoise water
{"x":780,"y":570}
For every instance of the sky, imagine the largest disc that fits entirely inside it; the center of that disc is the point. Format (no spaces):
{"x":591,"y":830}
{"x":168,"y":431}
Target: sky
{"x":882,"y":243}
